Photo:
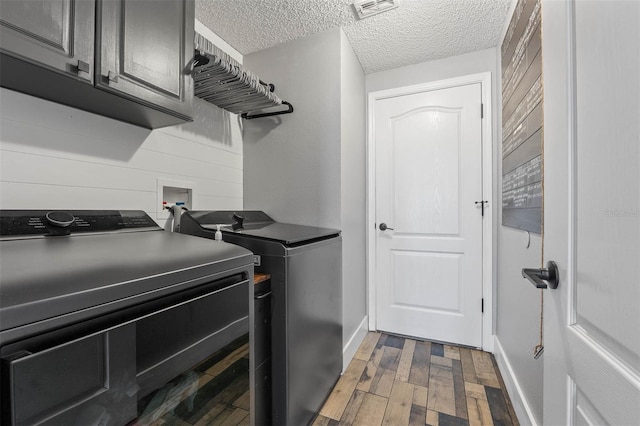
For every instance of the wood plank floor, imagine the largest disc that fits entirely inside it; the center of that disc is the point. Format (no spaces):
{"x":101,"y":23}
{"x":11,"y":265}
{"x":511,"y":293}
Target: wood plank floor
{"x":215,"y":392}
{"x":399,"y":381}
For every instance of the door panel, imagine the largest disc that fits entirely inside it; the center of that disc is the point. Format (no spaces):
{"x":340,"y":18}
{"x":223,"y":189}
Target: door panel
{"x":413,"y":291}
{"x":161,"y":66}
{"x":591,"y":218}
{"x":47,"y":21}
{"x":607,"y":182}
{"x":432,"y":176}
{"x":428,"y":176}
{"x":58,"y":34}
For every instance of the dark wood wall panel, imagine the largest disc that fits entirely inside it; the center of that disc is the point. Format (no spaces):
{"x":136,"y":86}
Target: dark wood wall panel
{"x":522,"y":117}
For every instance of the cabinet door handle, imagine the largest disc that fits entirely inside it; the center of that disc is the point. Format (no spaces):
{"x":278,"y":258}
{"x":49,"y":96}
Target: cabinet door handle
{"x":83,"y":66}
{"x":112,"y":77}
{"x":79,"y":67}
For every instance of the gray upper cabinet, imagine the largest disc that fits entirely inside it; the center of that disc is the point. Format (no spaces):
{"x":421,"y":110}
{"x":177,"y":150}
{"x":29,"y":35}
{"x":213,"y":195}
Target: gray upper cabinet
{"x":58,"y":34}
{"x":125,"y":59}
{"x":145,"y":49}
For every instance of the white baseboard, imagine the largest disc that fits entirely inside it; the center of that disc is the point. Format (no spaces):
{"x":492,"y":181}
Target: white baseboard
{"x":354,"y":342}
{"x":518,"y":400}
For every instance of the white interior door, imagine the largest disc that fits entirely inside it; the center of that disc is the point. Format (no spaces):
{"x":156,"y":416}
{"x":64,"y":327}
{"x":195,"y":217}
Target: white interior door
{"x":591,"y":212}
{"x":428,"y":160}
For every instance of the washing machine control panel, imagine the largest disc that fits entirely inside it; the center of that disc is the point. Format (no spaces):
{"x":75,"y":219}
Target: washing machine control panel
{"x":30,"y":223}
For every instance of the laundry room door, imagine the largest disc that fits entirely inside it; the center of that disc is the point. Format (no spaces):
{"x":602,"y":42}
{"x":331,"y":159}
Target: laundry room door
{"x":592,"y":212}
{"x":428,"y":178}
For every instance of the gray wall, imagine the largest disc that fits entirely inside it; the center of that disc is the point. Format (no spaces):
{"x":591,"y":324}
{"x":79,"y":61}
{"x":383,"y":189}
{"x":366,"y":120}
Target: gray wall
{"x":292,"y":162}
{"x":353,"y":158}
{"x":518,"y":315}
{"x":309,"y":167}
{"x":455,"y":66}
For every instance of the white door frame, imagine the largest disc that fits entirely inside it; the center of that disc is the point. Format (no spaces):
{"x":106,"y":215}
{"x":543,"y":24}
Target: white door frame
{"x":487,"y":189}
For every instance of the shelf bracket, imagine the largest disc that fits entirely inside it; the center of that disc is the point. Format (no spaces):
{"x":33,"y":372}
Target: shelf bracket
{"x":250,"y":116}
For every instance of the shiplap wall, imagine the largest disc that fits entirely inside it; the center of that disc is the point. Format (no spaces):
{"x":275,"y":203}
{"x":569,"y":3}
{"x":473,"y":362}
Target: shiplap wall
{"x":54,"y":157}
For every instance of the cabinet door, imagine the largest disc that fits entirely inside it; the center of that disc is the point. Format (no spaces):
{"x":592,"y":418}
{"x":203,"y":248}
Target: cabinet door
{"x":145,"y":53}
{"x":58,"y":34}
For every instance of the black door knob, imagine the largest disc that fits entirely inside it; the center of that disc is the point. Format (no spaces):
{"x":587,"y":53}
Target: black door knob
{"x":543,"y":277}
{"x":383,"y":227}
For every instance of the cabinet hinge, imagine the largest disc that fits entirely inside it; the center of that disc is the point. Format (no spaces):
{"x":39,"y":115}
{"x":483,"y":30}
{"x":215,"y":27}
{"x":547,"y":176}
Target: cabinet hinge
{"x":482,"y":305}
{"x":481,"y":110}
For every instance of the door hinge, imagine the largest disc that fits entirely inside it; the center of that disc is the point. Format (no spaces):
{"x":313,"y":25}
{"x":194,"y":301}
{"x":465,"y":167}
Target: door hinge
{"x":482,"y":203}
{"x":482,"y":305}
{"x":481,"y":110}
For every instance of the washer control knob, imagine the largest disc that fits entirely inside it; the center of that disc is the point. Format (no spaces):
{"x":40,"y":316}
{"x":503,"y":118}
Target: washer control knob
{"x":60,"y":219}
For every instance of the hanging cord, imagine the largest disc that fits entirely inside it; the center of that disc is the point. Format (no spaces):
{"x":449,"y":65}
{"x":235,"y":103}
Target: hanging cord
{"x":539,"y":349}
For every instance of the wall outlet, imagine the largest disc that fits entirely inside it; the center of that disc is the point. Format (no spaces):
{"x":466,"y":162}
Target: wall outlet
{"x":171,"y":192}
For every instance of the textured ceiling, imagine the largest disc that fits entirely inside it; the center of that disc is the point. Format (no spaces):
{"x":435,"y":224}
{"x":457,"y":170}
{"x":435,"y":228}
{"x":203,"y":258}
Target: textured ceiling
{"x":417,"y":31}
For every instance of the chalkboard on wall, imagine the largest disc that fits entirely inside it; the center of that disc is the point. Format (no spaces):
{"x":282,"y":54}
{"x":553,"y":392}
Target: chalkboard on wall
{"x":522,"y":126}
